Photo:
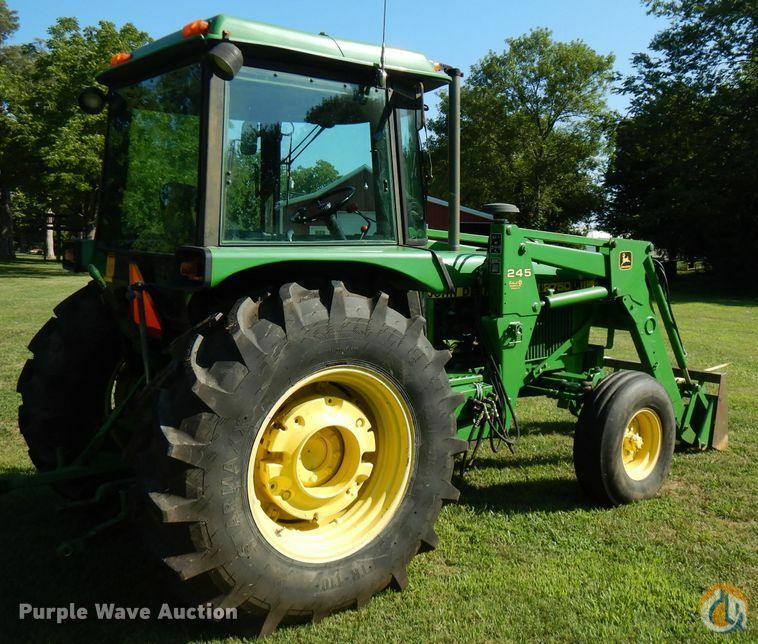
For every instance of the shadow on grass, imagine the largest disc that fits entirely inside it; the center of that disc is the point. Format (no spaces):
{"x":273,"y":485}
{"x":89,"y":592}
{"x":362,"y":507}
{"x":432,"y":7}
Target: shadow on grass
{"x":549,"y":427}
{"x":710,"y":289}
{"x":28,"y":267}
{"x":541,"y":495}
{"x":505,"y":459}
{"x":112,"y":568}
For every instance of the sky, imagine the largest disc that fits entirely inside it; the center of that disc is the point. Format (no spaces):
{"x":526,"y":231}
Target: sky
{"x":456,"y":32}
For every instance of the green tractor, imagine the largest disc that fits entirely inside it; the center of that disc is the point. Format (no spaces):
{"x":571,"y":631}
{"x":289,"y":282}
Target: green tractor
{"x":279,"y":359}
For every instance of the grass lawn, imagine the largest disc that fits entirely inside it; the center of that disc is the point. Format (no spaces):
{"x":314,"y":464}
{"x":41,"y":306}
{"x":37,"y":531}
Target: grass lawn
{"x":522,"y":557}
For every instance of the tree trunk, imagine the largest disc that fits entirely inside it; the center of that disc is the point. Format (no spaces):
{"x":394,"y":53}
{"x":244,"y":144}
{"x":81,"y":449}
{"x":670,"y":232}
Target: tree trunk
{"x":50,"y":239}
{"x":7,"y":250}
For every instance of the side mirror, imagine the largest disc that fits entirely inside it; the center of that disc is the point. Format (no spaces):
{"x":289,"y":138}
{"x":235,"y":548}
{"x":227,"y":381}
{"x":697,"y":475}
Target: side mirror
{"x":92,"y":100}
{"x":227,"y":60}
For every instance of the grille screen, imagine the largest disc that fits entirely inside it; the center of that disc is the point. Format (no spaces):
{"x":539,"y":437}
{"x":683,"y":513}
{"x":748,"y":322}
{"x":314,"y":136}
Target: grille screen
{"x":553,"y":328}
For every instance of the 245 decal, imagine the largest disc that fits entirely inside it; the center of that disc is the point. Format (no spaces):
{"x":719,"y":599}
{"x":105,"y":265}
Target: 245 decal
{"x":518,"y":272}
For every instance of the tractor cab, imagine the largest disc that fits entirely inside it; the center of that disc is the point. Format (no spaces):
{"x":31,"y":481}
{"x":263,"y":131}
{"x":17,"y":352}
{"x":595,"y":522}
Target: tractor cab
{"x":232,"y":134}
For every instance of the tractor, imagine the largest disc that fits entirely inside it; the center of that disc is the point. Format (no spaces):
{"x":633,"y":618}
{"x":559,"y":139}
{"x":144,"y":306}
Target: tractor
{"x":277,"y":364}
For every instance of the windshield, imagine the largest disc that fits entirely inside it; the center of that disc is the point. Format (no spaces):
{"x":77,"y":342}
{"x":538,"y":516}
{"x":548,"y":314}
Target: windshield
{"x":306,"y":160}
{"x":150,"y":191}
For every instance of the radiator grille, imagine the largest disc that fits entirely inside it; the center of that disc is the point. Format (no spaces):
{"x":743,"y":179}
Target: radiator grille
{"x":553,"y":328}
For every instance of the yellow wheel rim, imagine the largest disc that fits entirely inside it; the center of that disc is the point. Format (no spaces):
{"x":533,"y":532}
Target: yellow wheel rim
{"x":331,"y":463}
{"x":641,"y":445}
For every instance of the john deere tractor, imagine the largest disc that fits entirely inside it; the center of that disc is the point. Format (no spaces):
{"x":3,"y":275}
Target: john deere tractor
{"x":282,"y":363}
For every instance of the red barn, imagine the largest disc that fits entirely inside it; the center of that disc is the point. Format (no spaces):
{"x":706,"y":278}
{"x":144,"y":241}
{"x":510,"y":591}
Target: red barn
{"x":472,"y":221}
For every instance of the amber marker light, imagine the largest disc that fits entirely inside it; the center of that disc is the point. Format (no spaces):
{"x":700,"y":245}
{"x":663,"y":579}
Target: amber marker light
{"x":195,"y":28}
{"x":191,"y":270}
{"x":120,"y":57}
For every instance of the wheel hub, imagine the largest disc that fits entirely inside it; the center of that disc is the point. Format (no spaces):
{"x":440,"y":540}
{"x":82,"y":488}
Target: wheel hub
{"x":641,"y":445}
{"x":633,"y":442}
{"x":315,"y":463}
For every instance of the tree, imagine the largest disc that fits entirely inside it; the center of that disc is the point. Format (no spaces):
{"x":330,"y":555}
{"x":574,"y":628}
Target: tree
{"x":50,"y":151}
{"x":8,"y":24}
{"x":534,"y":130}
{"x":684,"y":172}
{"x":308,"y":179}
{"x":8,"y":21}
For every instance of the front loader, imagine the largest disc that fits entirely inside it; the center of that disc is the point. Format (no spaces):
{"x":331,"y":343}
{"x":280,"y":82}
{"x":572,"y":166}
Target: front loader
{"x":277,"y":362}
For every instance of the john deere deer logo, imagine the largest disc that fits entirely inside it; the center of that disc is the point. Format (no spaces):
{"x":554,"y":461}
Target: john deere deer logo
{"x":625,"y":260}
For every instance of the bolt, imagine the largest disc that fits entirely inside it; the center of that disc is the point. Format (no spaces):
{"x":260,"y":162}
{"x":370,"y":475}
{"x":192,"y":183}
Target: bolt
{"x":286,"y":495}
{"x":314,"y":478}
{"x":359,"y":422}
{"x":299,"y":420}
{"x":535,"y":306}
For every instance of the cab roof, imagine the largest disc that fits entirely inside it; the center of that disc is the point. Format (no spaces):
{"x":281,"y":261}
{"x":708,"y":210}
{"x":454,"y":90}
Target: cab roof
{"x":250,"y":32}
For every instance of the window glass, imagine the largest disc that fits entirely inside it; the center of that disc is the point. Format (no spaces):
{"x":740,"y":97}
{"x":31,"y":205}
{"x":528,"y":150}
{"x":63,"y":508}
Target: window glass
{"x":412,"y":169}
{"x":150,"y":191}
{"x":305,"y":160}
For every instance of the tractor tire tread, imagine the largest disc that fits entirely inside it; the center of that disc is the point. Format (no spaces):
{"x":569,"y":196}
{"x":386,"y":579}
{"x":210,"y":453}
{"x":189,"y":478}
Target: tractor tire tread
{"x":253,"y":334}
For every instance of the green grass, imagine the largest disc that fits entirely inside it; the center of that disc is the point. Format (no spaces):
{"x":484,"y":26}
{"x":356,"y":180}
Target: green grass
{"x":522,"y":557}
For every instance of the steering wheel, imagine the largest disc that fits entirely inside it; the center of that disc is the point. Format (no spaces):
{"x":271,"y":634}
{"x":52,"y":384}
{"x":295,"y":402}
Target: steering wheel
{"x":323,"y":207}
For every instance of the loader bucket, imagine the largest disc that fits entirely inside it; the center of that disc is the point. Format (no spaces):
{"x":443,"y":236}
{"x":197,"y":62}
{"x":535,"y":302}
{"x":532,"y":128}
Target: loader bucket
{"x":718,"y":405}
{"x":705,"y":419}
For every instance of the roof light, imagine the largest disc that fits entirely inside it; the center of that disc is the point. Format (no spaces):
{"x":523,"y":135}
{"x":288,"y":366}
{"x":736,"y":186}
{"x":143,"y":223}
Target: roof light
{"x":437,"y":67}
{"x":120,"y":57}
{"x":227,"y":60}
{"x":195,"y":28}
{"x":92,"y":100}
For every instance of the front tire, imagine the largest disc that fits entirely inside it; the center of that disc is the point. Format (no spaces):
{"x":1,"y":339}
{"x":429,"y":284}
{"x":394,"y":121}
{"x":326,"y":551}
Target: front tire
{"x":314,"y":434}
{"x":624,"y":439}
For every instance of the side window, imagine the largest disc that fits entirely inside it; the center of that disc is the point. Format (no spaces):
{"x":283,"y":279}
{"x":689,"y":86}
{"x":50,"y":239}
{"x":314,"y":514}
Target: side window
{"x":411,"y":165}
{"x":151,"y":183}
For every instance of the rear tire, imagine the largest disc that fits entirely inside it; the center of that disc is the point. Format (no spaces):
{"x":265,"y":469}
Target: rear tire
{"x":307,"y":448}
{"x":624,"y":439}
{"x":66,"y":387}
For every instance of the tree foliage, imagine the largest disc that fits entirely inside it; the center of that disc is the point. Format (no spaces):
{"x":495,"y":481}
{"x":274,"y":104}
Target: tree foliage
{"x":534,"y":126}
{"x":308,"y":179}
{"x":8,"y":21}
{"x":684,"y":172}
{"x":50,"y":151}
